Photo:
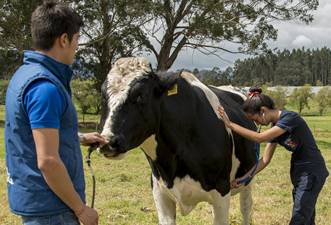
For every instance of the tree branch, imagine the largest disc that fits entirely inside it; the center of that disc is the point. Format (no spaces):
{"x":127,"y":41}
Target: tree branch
{"x":195,"y":45}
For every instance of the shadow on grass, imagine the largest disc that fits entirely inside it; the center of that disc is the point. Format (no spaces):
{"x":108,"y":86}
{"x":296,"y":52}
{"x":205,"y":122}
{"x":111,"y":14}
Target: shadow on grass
{"x":2,"y":123}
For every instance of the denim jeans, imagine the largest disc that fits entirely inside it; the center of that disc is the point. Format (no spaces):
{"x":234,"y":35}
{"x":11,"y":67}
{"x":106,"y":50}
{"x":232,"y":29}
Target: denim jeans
{"x":66,"y":218}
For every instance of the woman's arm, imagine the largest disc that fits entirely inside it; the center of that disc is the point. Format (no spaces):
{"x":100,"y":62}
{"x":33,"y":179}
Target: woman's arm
{"x":264,"y":136}
{"x":263,"y":163}
{"x":267,"y":135}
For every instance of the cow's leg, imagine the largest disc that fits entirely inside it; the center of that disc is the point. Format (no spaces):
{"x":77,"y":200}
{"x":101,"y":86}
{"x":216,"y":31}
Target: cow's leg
{"x":166,"y":207}
{"x":246,"y":203}
{"x":221,"y":210}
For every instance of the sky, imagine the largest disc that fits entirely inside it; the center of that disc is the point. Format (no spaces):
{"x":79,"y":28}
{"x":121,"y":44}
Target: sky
{"x":291,"y":34}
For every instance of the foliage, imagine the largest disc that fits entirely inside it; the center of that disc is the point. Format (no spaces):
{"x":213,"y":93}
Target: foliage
{"x":15,"y":22}
{"x":9,"y":60}
{"x":85,"y":95}
{"x":121,"y":28}
{"x":287,"y":68}
{"x":278,"y":95}
{"x":3,"y":89}
{"x":111,"y":30}
{"x":215,"y":76}
{"x":323,"y":99}
{"x":15,"y":35}
{"x":300,"y":97}
{"x":205,"y":25}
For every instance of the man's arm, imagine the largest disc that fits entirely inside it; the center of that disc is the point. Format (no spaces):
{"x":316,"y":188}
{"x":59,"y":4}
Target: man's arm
{"x":56,"y":174}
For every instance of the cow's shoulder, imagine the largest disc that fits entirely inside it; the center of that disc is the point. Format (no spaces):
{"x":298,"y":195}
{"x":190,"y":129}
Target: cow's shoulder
{"x":232,"y":102}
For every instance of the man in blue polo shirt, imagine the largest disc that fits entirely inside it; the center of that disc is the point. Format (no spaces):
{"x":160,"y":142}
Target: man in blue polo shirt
{"x":43,"y":157}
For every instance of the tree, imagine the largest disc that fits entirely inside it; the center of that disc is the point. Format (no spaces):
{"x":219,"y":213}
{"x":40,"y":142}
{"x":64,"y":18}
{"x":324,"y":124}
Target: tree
{"x":86,"y":96}
{"x":9,"y":61}
{"x":122,"y":28}
{"x":300,"y":97}
{"x":3,"y":89}
{"x":205,"y":25}
{"x":111,"y":30}
{"x":287,"y":68}
{"x":323,"y":99}
{"x":15,"y":35}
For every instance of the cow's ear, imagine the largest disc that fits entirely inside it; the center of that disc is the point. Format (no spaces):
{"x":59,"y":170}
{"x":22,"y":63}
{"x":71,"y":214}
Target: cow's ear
{"x":167,"y":82}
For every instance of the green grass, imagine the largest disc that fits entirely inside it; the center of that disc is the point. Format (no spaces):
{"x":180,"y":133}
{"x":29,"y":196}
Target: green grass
{"x":123,"y":195}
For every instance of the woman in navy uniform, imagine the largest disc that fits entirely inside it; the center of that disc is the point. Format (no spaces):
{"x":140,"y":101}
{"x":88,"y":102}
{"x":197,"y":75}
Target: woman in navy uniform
{"x":308,"y":170}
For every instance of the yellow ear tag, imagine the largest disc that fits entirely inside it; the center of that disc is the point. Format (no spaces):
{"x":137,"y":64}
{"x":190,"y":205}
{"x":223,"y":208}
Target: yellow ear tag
{"x":173,"y":90}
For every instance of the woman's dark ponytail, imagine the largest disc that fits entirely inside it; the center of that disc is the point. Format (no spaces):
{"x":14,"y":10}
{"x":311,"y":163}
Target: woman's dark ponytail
{"x":256,"y":100}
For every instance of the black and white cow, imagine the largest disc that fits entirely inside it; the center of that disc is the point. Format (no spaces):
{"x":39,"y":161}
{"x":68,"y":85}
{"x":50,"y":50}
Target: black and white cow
{"x":195,"y":156}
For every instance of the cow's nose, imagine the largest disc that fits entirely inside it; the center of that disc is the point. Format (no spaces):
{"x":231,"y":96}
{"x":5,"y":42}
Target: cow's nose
{"x":114,"y":142}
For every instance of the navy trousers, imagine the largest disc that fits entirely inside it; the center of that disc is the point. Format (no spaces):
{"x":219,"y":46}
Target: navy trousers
{"x":306,"y":188}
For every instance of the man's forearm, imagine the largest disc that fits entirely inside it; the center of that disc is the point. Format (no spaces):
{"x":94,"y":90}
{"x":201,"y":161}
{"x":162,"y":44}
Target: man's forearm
{"x":58,"y":180}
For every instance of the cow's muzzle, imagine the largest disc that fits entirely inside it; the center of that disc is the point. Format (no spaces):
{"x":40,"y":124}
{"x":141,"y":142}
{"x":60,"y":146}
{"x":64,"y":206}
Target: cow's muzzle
{"x":113,"y":148}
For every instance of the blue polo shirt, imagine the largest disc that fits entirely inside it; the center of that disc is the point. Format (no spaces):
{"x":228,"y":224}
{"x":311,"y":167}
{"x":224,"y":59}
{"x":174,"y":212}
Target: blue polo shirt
{"x":44,"y":104}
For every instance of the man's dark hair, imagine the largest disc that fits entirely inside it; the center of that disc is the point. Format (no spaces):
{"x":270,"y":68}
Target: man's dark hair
{"x":256,"y":100}
{"x":50,"y":20}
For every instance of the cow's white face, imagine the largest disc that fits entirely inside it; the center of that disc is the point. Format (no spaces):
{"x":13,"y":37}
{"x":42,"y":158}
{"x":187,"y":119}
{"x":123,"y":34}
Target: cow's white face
{"x":129,"y":97}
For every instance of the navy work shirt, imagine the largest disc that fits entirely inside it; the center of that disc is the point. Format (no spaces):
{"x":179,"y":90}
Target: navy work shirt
{"x":299,"y":140}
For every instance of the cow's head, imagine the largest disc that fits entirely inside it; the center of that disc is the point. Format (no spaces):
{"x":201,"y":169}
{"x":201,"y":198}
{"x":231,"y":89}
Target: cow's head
{"x":131,"y":97}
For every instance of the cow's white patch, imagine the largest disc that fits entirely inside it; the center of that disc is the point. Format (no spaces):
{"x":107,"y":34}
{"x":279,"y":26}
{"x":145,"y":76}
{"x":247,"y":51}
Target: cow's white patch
{"x":214,"y":102}
{"x":166,"y":207}
{"x":230,"y":88}
{"x":187,"y":193}
{"x":123,"y":73}
{"x":235,"y":162}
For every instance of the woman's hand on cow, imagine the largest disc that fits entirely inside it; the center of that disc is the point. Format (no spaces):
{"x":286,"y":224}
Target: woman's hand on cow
{"x":92,"y":138}
{"x":235,"y":183}
{"x":225,"y":118}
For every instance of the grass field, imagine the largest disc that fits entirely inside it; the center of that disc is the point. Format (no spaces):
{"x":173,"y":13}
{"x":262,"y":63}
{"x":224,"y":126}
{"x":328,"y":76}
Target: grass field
{"x":124,"y":197}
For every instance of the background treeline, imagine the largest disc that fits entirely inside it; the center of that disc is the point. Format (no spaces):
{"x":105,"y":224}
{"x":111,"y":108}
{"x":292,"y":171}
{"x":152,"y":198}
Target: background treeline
{"x":301,"y":99}
{"x":287,"y":68}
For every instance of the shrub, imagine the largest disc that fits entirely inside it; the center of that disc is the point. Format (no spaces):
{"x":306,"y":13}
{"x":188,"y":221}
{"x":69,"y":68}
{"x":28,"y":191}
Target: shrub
{"x":323,"y":99}
{"x":300,"y":97}
{"x":278,"y":95}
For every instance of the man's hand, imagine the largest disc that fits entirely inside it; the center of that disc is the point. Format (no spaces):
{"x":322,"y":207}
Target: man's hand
{"x":91,"y":138}
{"x":223,"y":115}
{"x":87,"y":216}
